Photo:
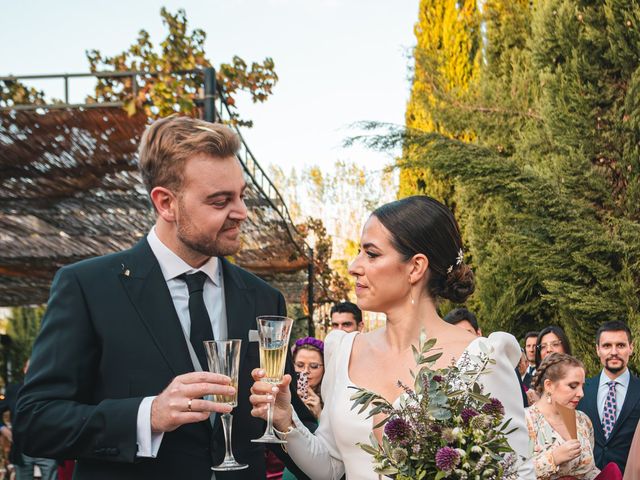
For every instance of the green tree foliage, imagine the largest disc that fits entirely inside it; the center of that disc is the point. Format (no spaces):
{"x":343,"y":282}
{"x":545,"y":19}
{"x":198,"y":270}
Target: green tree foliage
{"x":160,"y":92}
{"x":547,"y":189}
{"x":446,"y":61}
{"x":24,"y":325}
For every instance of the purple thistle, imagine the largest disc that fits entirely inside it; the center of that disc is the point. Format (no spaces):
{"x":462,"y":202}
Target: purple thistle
{"x":397,"y":430}
{"x":467,"y":414}
{"x":493,"y":408}
{"x":447,"y":458}
{"x":437,"y":378}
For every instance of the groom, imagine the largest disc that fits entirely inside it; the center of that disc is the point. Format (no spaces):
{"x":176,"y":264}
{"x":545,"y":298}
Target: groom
{"x":112,"y":380}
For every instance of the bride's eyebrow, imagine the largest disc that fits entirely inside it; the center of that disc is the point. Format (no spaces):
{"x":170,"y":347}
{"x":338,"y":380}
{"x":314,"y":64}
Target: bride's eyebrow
{"x":369,"y":245}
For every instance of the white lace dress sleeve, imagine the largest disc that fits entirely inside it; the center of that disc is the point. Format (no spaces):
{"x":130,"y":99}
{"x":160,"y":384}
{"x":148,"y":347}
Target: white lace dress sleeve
{"x":501,"y":382}
{"x":317,"y":453}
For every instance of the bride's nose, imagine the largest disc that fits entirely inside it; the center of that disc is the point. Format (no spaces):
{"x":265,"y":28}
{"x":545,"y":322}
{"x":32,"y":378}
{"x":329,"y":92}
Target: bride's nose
{"x":355,"y":268}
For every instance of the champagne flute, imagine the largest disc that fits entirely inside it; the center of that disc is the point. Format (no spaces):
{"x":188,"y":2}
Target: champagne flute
{"x":223,"y":357}
{"x":274,"y":332}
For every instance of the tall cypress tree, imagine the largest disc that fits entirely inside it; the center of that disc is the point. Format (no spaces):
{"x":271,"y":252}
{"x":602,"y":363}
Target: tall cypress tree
{"x":547,"y":190}
{"x":446,"y":62}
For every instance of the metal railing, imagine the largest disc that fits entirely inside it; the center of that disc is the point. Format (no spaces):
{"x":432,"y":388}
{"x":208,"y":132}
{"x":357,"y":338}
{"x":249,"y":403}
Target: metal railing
{"x":212,"y":92}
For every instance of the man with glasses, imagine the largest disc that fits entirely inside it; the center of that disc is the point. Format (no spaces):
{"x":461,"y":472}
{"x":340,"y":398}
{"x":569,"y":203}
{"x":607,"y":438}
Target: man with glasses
{"x":612,"y":398}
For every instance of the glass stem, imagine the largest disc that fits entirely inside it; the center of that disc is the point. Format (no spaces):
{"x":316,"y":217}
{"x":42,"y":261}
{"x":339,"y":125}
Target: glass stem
{"x":270,"y":431}
{"x":227,"y":420}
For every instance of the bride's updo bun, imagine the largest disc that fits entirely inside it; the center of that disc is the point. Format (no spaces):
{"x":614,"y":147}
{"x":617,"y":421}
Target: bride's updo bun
{"x":421,"y":224}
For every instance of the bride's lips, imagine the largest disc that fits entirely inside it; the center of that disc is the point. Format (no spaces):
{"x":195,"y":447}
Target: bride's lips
{"x":360,"y":287}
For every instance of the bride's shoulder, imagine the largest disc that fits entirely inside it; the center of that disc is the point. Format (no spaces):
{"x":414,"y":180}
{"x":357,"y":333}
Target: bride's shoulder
{"x":502,"y":344}
{"x":335,"y":341}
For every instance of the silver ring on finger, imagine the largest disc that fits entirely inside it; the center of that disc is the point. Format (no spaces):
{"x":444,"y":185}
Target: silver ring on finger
{"x":189,"y":405}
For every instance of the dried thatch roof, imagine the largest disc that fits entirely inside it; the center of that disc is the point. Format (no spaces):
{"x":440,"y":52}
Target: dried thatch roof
{"x":69,"y":189}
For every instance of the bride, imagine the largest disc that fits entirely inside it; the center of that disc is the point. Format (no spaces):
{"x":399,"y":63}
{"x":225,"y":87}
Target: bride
{"x":410,"y":256}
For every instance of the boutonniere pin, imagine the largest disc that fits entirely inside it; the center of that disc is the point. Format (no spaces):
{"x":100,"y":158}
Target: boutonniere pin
{"x":126,"y":272}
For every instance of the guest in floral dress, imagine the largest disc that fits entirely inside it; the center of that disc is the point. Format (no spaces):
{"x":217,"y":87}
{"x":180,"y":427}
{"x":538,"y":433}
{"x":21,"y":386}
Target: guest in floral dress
{"x":559,"y":380}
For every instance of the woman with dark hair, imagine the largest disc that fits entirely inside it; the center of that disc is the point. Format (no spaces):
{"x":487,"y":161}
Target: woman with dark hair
{"x":410,"y":257}
{"x":551,"y":339}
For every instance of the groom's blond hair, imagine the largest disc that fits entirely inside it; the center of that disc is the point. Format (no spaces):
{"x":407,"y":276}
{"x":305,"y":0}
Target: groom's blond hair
{"x":169,"y":142}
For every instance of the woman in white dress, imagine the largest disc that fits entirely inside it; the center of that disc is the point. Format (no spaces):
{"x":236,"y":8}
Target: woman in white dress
{"x":410,"y":256}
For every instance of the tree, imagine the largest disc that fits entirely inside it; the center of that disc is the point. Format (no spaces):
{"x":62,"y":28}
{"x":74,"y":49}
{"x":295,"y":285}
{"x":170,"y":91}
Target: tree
{"x":24,"y":325}
{"x":446,"y":63}
{"x":163,"y":91}
{"x":13,"y":92}
{"x":547,"y":189}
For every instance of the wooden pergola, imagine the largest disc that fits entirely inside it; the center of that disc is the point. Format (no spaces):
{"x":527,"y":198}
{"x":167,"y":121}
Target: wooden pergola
{"x":70,"y":189}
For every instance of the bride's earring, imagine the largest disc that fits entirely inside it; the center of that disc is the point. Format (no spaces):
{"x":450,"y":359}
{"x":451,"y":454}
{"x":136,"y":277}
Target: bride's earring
{"x":411,"y":293}
{"x":548,"y":397}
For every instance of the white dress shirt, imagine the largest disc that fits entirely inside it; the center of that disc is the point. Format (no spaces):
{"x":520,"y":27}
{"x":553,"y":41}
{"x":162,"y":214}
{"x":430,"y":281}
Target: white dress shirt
{"x":172,"y":266}
{"x":622,"y":385}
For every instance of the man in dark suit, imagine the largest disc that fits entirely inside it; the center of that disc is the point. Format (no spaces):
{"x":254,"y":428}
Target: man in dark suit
{"x":530,"y":340}
{"x":112,"y":380}
{"x":612,"y":399}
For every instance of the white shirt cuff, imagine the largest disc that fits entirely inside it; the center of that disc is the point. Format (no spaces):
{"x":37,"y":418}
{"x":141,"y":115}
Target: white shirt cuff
{"x":148,"y":442}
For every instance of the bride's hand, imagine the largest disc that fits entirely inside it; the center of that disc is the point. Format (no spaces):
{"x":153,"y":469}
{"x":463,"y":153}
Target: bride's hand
{"x":278,"y":395}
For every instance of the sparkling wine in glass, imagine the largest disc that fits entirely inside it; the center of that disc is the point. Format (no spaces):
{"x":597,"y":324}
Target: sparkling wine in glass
{"x":223,"y":357}
{"x":274,"y":332}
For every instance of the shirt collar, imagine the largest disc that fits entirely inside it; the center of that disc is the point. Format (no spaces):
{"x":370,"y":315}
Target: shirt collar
{"x":621,"y":380}
{"x":173,"y":266}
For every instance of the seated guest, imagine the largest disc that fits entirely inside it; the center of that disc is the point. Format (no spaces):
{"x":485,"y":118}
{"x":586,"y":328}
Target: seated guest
{"x":559,"y":381}
{"x":346,"y":316}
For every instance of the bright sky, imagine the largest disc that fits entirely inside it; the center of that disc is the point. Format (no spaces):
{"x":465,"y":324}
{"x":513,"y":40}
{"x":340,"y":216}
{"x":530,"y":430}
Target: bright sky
{"x":339,"y":61}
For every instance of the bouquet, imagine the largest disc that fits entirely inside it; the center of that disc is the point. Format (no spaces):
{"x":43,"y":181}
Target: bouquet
{"x":444,"y":427}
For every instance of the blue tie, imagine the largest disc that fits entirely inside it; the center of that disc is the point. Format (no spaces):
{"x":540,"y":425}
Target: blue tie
{"x":610,"y":412}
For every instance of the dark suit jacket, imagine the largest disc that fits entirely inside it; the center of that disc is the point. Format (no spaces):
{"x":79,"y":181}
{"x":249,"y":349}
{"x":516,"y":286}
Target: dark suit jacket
{"x":616,"y":448}
{"x":111,"y":337}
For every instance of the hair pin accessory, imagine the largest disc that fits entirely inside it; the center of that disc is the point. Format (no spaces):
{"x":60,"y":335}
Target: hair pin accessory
{"x":459,"y":260}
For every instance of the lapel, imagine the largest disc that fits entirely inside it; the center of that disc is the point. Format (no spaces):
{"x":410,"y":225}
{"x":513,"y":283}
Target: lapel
{"x":631,"y":400}
{"x":239,"y":303}
{"x":143,"y":281}
{"x":591,"y":407}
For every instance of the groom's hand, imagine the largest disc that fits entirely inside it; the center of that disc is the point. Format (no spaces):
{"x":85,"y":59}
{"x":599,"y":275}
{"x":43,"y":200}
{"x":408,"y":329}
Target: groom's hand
{"x":181,"y":402}
{"x":278,"y":395}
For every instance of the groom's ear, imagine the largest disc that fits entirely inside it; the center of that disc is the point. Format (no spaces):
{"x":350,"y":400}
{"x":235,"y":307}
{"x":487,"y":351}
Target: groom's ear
{"x":419,"y":264}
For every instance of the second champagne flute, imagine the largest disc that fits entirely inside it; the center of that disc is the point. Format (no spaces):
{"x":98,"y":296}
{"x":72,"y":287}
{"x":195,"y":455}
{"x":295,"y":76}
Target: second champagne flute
{"x":274,"y":332}
{"x":224,"y":358}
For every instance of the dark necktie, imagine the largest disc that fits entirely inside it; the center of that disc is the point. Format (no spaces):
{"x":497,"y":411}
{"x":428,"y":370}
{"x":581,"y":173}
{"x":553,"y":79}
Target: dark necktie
{"x":200,"y":322}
